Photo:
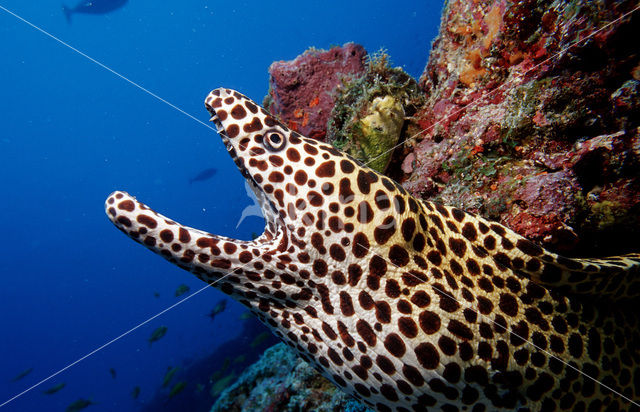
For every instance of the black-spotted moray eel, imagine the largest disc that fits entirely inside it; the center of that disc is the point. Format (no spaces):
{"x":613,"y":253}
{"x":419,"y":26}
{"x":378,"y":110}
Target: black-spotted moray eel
{"x":407,"y":305}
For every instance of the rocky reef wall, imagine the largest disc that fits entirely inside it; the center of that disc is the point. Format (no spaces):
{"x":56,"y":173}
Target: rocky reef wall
{"x":532,"y":120}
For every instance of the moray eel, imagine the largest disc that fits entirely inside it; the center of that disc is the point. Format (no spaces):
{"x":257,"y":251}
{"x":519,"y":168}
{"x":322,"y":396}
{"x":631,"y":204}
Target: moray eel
{"x":405,"y":304}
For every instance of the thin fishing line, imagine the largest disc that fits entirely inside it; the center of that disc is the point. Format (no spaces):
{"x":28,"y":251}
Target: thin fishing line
{"x":150,"y":93}
{"x":119,"y":337}
{"x":472,"y":104}
{"x":468,"y":306}
{"x":489,"y":94}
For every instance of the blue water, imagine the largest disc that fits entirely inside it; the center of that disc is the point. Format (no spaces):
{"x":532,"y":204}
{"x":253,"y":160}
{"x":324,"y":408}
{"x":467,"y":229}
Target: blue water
{"x":72,"y":132}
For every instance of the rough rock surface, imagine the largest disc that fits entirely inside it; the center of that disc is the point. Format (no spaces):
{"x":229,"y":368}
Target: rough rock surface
{"x":522,"y":127}
{"x":281,"y":381}
{"x":301,"y":90}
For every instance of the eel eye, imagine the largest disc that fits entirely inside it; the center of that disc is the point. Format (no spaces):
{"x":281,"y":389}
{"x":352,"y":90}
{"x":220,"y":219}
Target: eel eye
{"x":274,"y":140}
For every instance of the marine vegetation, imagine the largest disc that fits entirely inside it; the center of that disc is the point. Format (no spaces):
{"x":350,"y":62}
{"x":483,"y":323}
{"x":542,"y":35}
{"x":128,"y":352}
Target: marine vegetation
{"x":157,"y":334}
{"x":352,"y":271}
{"x":368,"y":117}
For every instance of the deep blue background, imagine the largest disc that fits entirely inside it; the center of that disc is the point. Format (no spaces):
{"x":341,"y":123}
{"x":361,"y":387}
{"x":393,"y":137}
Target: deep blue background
{"x":71,"y":132}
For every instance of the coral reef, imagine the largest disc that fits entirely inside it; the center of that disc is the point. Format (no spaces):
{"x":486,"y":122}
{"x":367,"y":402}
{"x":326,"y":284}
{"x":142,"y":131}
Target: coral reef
{"x":281,"y":381}
{"x":301,"y":90}
{"x":522,"y":127}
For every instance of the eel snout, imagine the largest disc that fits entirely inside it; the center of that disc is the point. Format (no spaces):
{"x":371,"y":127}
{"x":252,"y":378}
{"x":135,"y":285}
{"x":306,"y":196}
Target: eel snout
{"x":207,"y":255}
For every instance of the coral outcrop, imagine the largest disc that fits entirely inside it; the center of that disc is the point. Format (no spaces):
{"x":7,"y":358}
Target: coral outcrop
{"x":528,"y":123}
{"x":281,"y":381}
{"x":301,"y":90}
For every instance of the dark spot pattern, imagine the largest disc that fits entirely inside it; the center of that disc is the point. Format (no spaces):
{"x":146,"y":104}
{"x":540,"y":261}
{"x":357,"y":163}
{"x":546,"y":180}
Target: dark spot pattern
{"x":338,"y":234}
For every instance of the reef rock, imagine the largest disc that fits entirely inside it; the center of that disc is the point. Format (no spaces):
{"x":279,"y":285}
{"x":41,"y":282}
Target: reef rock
{"x":301,"y":90}
{"x":281,"y":381}
{"x":532,"y":119}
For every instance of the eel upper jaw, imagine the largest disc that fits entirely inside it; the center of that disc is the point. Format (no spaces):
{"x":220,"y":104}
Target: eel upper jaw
{"x":273,"y":223}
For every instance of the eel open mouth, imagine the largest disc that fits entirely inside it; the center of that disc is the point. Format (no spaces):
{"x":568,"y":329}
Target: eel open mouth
{"x":203,"y":253}
{"x":267,"y":207}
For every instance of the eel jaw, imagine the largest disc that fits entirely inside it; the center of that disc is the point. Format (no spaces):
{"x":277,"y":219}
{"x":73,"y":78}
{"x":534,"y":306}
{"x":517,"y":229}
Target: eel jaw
{"x":210,"y":257}
{"x":207,"y":255}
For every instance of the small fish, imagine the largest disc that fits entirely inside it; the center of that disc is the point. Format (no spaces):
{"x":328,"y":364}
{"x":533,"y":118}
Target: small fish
{"x":157,"y":334}
{"x":218,"y":309}
{"x":182,"y":289}
{"x":169,"y":375}
{"x":135,"y":392}
{"x":156,"y":294}
{"x":112,"y":372}
{"x":240,"y":359}
{"x":22,"y":374}
{"x":259,"y":339}
{"x":246,"y":315}
{"x":204,"y":175}
{"x":199,"y":388}
{"x":220,"y":372}
{"x":221,"y":384}
{"x":92,"y":7}
{"x":54,"y":389}
{"x":177,"y":388}
{"x":79,"y":405}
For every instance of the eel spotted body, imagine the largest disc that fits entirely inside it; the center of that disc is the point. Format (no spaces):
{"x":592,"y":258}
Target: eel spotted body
{"x":406,"y":304}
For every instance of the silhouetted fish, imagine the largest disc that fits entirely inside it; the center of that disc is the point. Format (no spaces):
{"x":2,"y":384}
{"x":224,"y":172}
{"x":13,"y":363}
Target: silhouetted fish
{"x":93,"y":7}
{"x":218,"y":309}
{"x":204,"y":175}
{"x":157,"y":334}
{"x":135,"y":392}
{"x":54,"y":389}
{"x":22,"y":374}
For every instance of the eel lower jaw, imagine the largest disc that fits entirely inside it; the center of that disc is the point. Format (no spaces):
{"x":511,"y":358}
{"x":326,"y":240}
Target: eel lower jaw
{"x":207,"y":255}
